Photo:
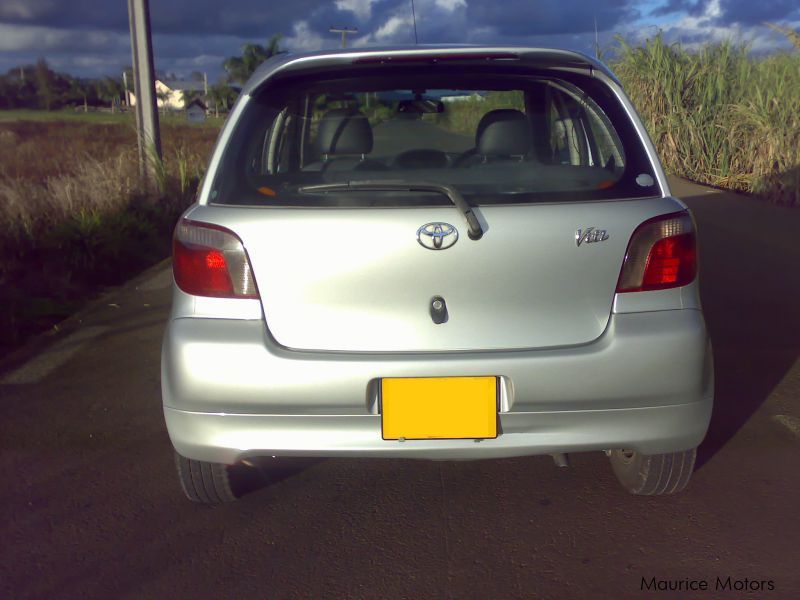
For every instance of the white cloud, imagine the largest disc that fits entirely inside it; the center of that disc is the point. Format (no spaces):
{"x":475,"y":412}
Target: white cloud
{"x":398,"y":27}
{"x":693,"y":32}
{"x":24,"y":9}
{"x":361,"y":8}
{"x":21,"y":38}
{"x":450,"y":5}
{"x":389,"y":30}
{"x":304,"y":39}
{"x":194,"y":63}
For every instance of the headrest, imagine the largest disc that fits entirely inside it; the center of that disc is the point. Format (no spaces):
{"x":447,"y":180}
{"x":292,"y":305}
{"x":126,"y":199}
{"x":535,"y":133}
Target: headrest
{"x":344,"y":131}
{"x":503,"y":132}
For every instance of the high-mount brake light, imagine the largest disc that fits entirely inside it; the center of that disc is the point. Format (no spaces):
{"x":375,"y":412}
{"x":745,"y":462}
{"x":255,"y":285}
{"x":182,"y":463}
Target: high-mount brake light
{"x":209,"y":260}
{"x":435,"y":58}
{"x":662,"y":254}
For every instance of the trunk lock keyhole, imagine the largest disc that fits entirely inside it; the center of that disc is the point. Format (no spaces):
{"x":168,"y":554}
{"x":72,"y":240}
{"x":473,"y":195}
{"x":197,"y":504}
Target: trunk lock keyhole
{"x":438,"y":310}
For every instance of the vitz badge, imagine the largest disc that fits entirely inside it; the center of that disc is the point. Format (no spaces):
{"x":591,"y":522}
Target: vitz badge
{"x":590,"y":235}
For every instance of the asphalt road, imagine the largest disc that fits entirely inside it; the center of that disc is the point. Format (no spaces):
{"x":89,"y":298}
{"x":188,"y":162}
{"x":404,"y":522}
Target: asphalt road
{"x":92,"y":508}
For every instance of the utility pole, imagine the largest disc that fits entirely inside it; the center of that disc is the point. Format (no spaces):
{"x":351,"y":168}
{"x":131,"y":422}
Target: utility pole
{"x":127,"y":92}
{"x":144,"y":88}
{"x":344,"y":31}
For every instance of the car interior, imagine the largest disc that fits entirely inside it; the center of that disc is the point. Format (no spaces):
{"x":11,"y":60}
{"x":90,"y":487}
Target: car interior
{"x":507,"y":138}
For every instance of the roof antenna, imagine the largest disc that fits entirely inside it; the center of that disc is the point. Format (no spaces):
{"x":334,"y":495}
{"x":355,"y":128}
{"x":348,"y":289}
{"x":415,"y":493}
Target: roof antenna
{"x":596,"y":39}
{"x":414,"y":16}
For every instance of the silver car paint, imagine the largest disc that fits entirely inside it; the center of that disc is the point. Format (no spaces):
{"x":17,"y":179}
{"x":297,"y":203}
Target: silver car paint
{"x":356,"y":279}
{"x":640,"y":378}
{"x":646,"y":384}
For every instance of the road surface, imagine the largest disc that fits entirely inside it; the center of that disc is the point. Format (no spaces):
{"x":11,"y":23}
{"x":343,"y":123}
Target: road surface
{"x":92,"y":508}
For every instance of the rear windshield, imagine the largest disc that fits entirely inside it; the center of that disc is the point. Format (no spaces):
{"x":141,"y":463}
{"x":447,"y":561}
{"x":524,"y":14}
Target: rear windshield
{"x":497,"y":138}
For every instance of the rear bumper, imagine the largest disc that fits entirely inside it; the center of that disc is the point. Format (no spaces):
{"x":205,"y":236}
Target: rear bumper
{"x":229,"y":392}
{"x":228,"y":438}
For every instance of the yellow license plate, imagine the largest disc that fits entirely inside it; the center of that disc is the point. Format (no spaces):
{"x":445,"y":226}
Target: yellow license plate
{"x":419,"y":408}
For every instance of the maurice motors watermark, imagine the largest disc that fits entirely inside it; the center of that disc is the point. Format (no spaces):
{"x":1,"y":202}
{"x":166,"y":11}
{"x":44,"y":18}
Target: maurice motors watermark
{"x":717,"y":584}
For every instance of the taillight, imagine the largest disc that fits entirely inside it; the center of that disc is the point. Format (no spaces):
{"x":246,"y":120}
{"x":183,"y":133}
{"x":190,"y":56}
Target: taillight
{"x":209,"y":260}
{"x":662,"y":254}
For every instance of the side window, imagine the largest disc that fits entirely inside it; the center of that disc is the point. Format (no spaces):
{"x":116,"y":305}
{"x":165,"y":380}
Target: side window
{"x":273,"y":143}
{"x":581,"y":134}
{"x":606,"y":144}
{"x":279,"y":151}
{"x":568,"y":141}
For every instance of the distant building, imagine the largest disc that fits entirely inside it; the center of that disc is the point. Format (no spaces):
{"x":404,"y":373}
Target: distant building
{"x":170,"y":94}
{"x":196,"y":111}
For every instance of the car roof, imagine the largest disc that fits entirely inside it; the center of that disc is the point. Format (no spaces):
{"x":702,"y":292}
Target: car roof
{"x":548,"y":57}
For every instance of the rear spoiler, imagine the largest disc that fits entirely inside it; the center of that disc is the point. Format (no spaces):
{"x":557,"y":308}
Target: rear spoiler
{"x":540,"y":57}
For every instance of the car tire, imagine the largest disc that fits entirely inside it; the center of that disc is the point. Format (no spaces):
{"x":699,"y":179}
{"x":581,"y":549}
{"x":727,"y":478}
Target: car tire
{"x":653,"y":474}
{"x":204,"y":482}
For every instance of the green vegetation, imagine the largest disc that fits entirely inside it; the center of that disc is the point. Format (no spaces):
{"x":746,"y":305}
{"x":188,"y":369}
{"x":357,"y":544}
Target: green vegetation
{"x":39,"y":93}
{"x":719,"y":115}
{"x":240,"y":68}
{"x":38,"y":86}
{"x":74,"y":216}
{"x":463,"y":115}
{"x":100,"y":117}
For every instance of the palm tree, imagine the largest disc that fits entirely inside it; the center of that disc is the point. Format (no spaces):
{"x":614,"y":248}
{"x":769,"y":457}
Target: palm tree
{"x":188,"y":95}
{"x":109,"y":90}
{"x":163,"y":95}
{"x":240,"y":68}
{"x":80,"y":89}
{"x":221,"y":95}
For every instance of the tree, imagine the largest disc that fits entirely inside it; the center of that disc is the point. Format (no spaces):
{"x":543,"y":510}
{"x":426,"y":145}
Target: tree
{"x":240,"y":68}
{"x":188,"y":95}
{"x":109,"y":90}
{"x":222,"y":96}
{"x":45,"y":84}
{"x":163,"y":96}
{"x":19,"y":89}
{"x":81,"y":89}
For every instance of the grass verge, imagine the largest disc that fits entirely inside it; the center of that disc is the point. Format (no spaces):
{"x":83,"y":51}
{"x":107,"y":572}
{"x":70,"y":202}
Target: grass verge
{"x":75,"y":219}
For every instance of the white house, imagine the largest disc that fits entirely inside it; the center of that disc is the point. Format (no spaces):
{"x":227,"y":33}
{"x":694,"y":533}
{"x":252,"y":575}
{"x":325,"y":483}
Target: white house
{"x":169,"y":95}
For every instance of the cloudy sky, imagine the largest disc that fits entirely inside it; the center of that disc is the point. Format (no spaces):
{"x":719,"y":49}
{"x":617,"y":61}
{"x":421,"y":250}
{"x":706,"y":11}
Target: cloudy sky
{"x":90,"y":37}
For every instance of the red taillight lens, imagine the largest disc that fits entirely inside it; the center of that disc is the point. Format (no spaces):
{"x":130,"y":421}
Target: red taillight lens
{"x":662,"y":254}
{"x":208,"y":260}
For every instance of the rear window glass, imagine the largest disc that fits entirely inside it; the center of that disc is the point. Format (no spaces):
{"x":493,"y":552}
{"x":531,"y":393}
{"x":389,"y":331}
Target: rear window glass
{"x":496,"y":138}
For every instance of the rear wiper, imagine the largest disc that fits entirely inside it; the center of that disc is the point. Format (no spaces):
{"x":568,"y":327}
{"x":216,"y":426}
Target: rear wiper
{"x":474,"y":226}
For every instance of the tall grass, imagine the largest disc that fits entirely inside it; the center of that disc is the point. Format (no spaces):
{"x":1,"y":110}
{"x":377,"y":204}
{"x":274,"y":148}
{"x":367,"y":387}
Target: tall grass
{"x":74,"y":215}
{"x":719,"y":115}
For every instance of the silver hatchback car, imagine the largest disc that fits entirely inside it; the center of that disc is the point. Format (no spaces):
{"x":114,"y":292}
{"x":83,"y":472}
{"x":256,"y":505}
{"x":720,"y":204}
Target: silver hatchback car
{"x":435,"y":253}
